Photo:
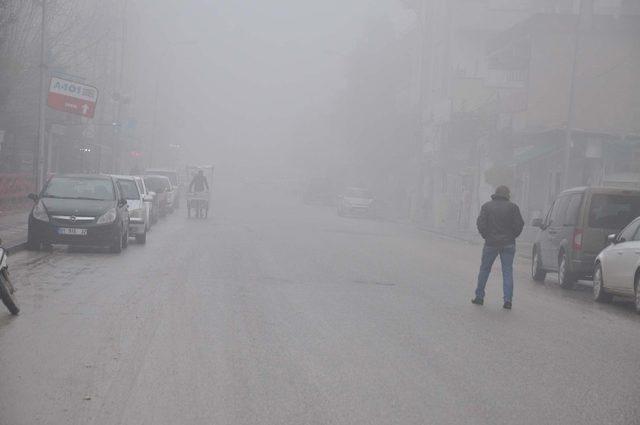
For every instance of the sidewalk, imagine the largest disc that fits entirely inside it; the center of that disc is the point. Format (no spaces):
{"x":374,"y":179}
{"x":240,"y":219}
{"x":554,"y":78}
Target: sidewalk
{"x":524,"y":243}
{"x":13,"y":229}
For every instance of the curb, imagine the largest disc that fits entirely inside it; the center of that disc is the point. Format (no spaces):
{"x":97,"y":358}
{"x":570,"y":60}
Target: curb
{"x":522,"y":253}
{"x":16,"y":247}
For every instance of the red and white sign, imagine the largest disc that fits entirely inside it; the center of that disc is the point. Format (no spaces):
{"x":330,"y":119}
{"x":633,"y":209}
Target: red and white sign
{"x":72,"y":97}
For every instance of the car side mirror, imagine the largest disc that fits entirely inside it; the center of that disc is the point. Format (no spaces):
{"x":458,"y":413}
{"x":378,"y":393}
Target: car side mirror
{"x":612,"y":239}
{"x":33,"y":197}
{"x":537,"y":222}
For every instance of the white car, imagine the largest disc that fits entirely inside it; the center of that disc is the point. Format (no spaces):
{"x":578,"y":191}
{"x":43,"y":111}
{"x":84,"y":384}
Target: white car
{"x":138,"y":212}
{"x":617,"y":267}
{"x":148,"y":197}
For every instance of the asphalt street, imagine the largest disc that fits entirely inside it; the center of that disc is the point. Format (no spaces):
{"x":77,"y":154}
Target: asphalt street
{"x":274,"y":312}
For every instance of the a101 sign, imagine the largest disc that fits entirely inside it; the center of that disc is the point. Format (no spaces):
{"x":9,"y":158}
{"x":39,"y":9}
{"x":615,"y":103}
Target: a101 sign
{"x":72,"y":97}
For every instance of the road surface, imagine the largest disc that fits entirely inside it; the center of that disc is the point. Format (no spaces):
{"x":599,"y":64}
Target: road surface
{"x":273,"y":312}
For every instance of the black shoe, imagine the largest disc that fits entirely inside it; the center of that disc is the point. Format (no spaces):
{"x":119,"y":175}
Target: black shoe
{"x":507,"y":305}
{"x":477,"y":301}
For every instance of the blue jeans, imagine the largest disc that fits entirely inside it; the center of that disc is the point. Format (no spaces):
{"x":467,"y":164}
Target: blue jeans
{"x":489,"y":255}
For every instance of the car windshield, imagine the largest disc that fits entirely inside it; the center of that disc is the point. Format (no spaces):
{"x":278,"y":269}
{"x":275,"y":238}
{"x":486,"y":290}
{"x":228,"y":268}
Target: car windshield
{"x":129,"y":189}
{"x":79,"y":188}
{"x":172,"y":176}
{"x":357,"y":193}
{"x":156,"y":183}
{"x":613,"y":211}
{"x":140,"y":185}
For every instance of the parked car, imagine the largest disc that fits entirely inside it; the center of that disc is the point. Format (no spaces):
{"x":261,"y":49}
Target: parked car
{"x":150,"y":201}
{"x":79,"y":209}
{"x":617,"y":268}
{"x":356,"y":201}
{"x":176,"y":184}
{"x":575,"y":230}
{"x":138,"y":212}
{"x":161,"y":186}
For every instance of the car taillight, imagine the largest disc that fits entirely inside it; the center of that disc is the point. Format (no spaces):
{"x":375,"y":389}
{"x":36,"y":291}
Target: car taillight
{"x":577,"y":239}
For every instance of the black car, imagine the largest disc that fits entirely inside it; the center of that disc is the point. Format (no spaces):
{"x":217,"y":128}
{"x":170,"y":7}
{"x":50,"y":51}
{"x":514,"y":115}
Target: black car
{"x":79,"y":210}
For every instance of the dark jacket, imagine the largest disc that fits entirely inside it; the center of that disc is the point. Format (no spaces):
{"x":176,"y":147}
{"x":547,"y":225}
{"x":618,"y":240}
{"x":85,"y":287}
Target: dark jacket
{"x":500,"y":222}
{"x":198,"y":184}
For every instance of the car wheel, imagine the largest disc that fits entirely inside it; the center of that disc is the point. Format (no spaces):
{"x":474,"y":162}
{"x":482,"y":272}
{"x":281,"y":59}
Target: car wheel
{"x":565,"y":277}
{"x":599,"y":293}
{"x":33,"y":244}
{"x":116,"y":248}
{"x":538,"y":274}
{"x":142,"y":239}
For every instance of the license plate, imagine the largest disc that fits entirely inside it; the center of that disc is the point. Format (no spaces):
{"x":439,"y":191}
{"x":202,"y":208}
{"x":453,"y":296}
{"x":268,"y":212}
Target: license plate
{"x":72,"y":231}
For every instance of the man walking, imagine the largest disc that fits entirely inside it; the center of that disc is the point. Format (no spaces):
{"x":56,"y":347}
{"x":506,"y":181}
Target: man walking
{"x":499,"y":224}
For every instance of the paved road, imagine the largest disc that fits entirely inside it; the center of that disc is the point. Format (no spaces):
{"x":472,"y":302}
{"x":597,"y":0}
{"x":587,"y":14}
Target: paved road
{"x":277,"y":313}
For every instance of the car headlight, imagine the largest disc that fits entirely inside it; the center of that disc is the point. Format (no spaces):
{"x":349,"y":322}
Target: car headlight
{"x":108,"y":217}
{"x":40,"y":212}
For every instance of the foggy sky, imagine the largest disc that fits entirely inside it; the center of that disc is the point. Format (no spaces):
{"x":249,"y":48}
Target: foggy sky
{"x":239,"y":73}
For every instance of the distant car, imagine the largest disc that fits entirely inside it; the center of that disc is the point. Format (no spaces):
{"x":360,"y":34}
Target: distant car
{"x":356,"y":201}
{"x":617,"y":267}
{"x":150,"y":202}
{"x":79,"y":209}
{"x":176,"y":183}
{"x":575,"y":230}
{"x":161,"y":186}
{"x":138,"y":212}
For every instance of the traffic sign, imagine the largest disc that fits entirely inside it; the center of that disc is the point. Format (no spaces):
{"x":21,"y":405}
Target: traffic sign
{"x":70,"y":96}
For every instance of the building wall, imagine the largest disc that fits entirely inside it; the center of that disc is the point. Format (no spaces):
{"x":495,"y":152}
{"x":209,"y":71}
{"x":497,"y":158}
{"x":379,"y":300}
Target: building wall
{"x":607,"y":93}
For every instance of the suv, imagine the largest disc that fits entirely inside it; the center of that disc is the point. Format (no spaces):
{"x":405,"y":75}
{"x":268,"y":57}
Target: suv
{"x":575,"y":230}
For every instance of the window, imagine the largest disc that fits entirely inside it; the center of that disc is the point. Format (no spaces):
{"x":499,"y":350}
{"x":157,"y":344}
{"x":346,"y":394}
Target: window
{"x":613,"y":211}
{"x":636,"y":236}
{"x":79,"y":188}
{"x":157,"y":184}
{"x":547,"y":218}
{"x":140,"y":187}
{"x":629,"y":232}
{"x":557,"y":214}
{"x":354,"y":192}
{"x":129,"y":189}
{"x":573,"y":210}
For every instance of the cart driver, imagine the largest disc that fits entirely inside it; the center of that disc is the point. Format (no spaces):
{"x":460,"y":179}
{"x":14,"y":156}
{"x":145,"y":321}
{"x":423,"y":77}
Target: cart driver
{"x":199,"y":183}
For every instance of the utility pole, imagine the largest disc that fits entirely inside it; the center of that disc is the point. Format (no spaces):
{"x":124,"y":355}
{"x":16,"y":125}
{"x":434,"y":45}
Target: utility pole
{"x":117,"y":144}
{"x":39,"y":160}
{"x":584,"y":21}
{"x":418,"y":201}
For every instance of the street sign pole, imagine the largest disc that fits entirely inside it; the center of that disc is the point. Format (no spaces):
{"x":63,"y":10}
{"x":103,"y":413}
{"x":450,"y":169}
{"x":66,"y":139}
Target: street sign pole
{"x":39,"y":163}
